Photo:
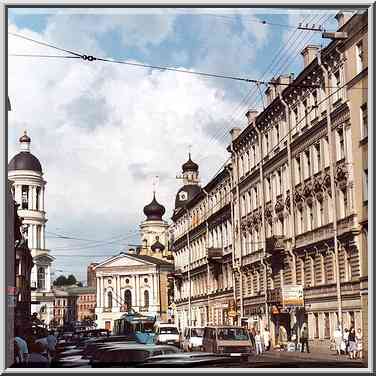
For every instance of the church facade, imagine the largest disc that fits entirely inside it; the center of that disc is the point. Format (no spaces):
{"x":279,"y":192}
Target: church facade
{"x":138,"y":279}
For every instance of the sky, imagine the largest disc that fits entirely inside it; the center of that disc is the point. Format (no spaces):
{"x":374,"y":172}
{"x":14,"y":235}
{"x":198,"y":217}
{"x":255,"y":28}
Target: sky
{"x":102,"y":131}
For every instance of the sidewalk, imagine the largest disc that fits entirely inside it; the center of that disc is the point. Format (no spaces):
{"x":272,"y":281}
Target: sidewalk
{"x":314,"y":357}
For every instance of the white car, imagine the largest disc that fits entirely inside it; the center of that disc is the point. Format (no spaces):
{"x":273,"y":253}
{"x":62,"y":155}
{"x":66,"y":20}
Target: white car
{"x":192,"y":339}
{"x":167,"y":334}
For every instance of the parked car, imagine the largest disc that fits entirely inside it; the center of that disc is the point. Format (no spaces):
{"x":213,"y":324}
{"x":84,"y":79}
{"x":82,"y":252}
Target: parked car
{"x":192,"y":359}
{"x":125,"y":355}
{"x":233,"y":340}
{"x":191,"y":338}
{"x":166,"y":334}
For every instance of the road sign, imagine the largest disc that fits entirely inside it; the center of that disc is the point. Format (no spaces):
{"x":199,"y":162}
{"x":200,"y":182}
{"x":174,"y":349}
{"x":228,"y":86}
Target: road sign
{"x":292,"y":296}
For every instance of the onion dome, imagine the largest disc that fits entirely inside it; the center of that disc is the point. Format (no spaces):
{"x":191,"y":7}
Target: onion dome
{"x":25,"y":138}
{"x":157,"y":246}
{"x":154,"y":211}
{"x":24,"y":160}
{"x":186,"y":194}
{"x":190,"y":165}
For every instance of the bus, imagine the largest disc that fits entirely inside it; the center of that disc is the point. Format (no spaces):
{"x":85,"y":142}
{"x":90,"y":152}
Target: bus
{"x":133,"y":322}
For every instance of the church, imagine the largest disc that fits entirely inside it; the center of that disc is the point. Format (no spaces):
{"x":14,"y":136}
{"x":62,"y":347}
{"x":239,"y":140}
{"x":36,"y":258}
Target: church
{"x":138,"y":279}
{"x":25,"y":173}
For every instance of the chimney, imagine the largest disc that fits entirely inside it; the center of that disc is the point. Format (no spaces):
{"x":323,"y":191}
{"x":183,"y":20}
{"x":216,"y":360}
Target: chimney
{"x":309,"y":53}
{"x":235,"y":132}
{"x":251,"y":115}
{"x":342,"y":18}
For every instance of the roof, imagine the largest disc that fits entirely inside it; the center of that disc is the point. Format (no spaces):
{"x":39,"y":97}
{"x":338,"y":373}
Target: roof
{"x":151,"y":259}
{"x":25,"y":161}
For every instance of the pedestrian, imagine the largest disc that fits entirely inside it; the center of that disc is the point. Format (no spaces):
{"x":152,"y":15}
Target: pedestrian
{"x":294,"y":339}
{"x":38,"y":358}
{"x":304,"y":337}
{"x":338,"y":339}
{"x":346,"y":339}
{"x":258,"y":343}
{"x":266,"y":336}
{"x":23,"y":351}
{"x":252,"y":338}
{"x":51,"y":344}
{"x":359,"y":344}
{"x":352,"y":343}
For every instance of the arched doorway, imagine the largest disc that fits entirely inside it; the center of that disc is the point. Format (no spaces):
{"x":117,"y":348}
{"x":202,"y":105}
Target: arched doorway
{"x":128,"y":298}
{"x":146,"y":299}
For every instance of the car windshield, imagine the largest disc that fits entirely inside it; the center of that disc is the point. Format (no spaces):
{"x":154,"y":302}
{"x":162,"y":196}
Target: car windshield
{"x":170,"y":330}
{"x":197,"y":332}
{"x":232,"y":334}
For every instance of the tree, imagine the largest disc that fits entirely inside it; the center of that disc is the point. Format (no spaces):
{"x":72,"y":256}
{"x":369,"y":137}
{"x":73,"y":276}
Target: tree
{"x":71,"y":280}
{"x":60,"y":281}
{"x":79,"y":284}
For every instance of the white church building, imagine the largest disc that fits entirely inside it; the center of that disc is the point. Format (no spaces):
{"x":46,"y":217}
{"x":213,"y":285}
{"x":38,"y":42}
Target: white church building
{"x":138,"y":278}
{"x":25,"y":172}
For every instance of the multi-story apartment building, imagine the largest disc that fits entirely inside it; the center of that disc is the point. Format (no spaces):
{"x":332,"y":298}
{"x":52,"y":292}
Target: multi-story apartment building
{"x":202,"y":246}
{"x":299,"y":193}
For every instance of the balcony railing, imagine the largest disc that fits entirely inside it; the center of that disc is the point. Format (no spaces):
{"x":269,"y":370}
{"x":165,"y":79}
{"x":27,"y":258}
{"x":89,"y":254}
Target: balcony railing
{"x":215,"y":254}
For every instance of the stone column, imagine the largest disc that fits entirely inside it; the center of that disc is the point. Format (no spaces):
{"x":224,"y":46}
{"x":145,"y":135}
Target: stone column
{"x":42,"y":237}
{"x":119,"y":297}
{"x":102,"y":291}
{"x":48,"y":278}
{"x":34,"y":193}
{"x":98,"y":299}
{"x":18,"y":194}
{"x":42,"y":197}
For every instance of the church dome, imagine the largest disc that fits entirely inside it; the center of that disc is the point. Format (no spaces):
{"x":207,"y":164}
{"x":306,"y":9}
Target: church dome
{"x":186,"y":194}
{"x":154,"y":211}
{"x":157,"y":246}
{"x":25,"y":161}
{"x":190,"y":165}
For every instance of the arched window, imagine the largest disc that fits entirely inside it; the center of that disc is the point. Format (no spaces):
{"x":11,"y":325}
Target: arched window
{"x":128,"y":298}
{"x":146,"y":299}
{"x":109,"y":299}
{"x":41,"y":278}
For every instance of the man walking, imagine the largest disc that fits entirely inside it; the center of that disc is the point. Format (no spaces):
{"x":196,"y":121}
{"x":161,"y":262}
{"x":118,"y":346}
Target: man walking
{"x":304,"y":337}
{"x":266,"y":339}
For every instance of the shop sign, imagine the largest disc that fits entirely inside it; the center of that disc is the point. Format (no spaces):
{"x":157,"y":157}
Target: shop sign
{"x":293,"y":296}
{"x":231,"y":308}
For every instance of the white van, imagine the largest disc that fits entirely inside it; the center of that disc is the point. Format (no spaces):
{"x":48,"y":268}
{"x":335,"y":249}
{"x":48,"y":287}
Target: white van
{"x":166,"y":334}
{"x":192,"y":339}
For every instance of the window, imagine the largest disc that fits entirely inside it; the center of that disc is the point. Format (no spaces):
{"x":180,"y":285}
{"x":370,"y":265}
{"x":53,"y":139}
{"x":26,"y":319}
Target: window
{"x":109,"y":299}
{"x":266,"y":143}
{"x":298,"y":170}
{"x":305,"y":107}
{"x":364,"y":121}
{"x":365,"y":185}
{"x":146,"y":299}
{"x":277,"y":133}
{"x":326,"y":325}
{"x":308,"y":163}
{"x":359,"y":57}
{"x":38,"y":198}
{"x":279,"y":177}
{"x":41,"y":274}
{"x":25,"y":194}
{"x":341,"y":144}
{"x":128,"y":298}
{"x":336,"y":83}
{"x":315,"y":105}
{"x":318,"y":158}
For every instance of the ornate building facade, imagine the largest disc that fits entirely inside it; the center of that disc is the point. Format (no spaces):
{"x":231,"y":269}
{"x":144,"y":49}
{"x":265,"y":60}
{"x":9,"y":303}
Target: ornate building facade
{"x":202,"y":247}
{"x":25,"y":171}
{"x":299,"y":193}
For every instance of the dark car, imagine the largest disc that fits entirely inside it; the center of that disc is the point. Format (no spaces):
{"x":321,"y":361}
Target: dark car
{"x":193,"y":359}
{"x":126,"y":355}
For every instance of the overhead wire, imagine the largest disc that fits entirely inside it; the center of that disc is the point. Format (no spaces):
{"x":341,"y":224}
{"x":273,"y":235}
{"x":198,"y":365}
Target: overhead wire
{"x":253,"y":90}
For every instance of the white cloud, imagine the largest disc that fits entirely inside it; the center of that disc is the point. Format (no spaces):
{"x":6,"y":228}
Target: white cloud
{"x":102,"y":131}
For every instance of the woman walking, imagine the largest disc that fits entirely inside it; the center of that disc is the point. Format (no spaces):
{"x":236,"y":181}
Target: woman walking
{"x":352,"y":343}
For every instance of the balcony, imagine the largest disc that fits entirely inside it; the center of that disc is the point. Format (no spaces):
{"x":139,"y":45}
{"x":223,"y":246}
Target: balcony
{"x":215,"y":254}
{"x":274,"y":244}
{"x":274,"y":296}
